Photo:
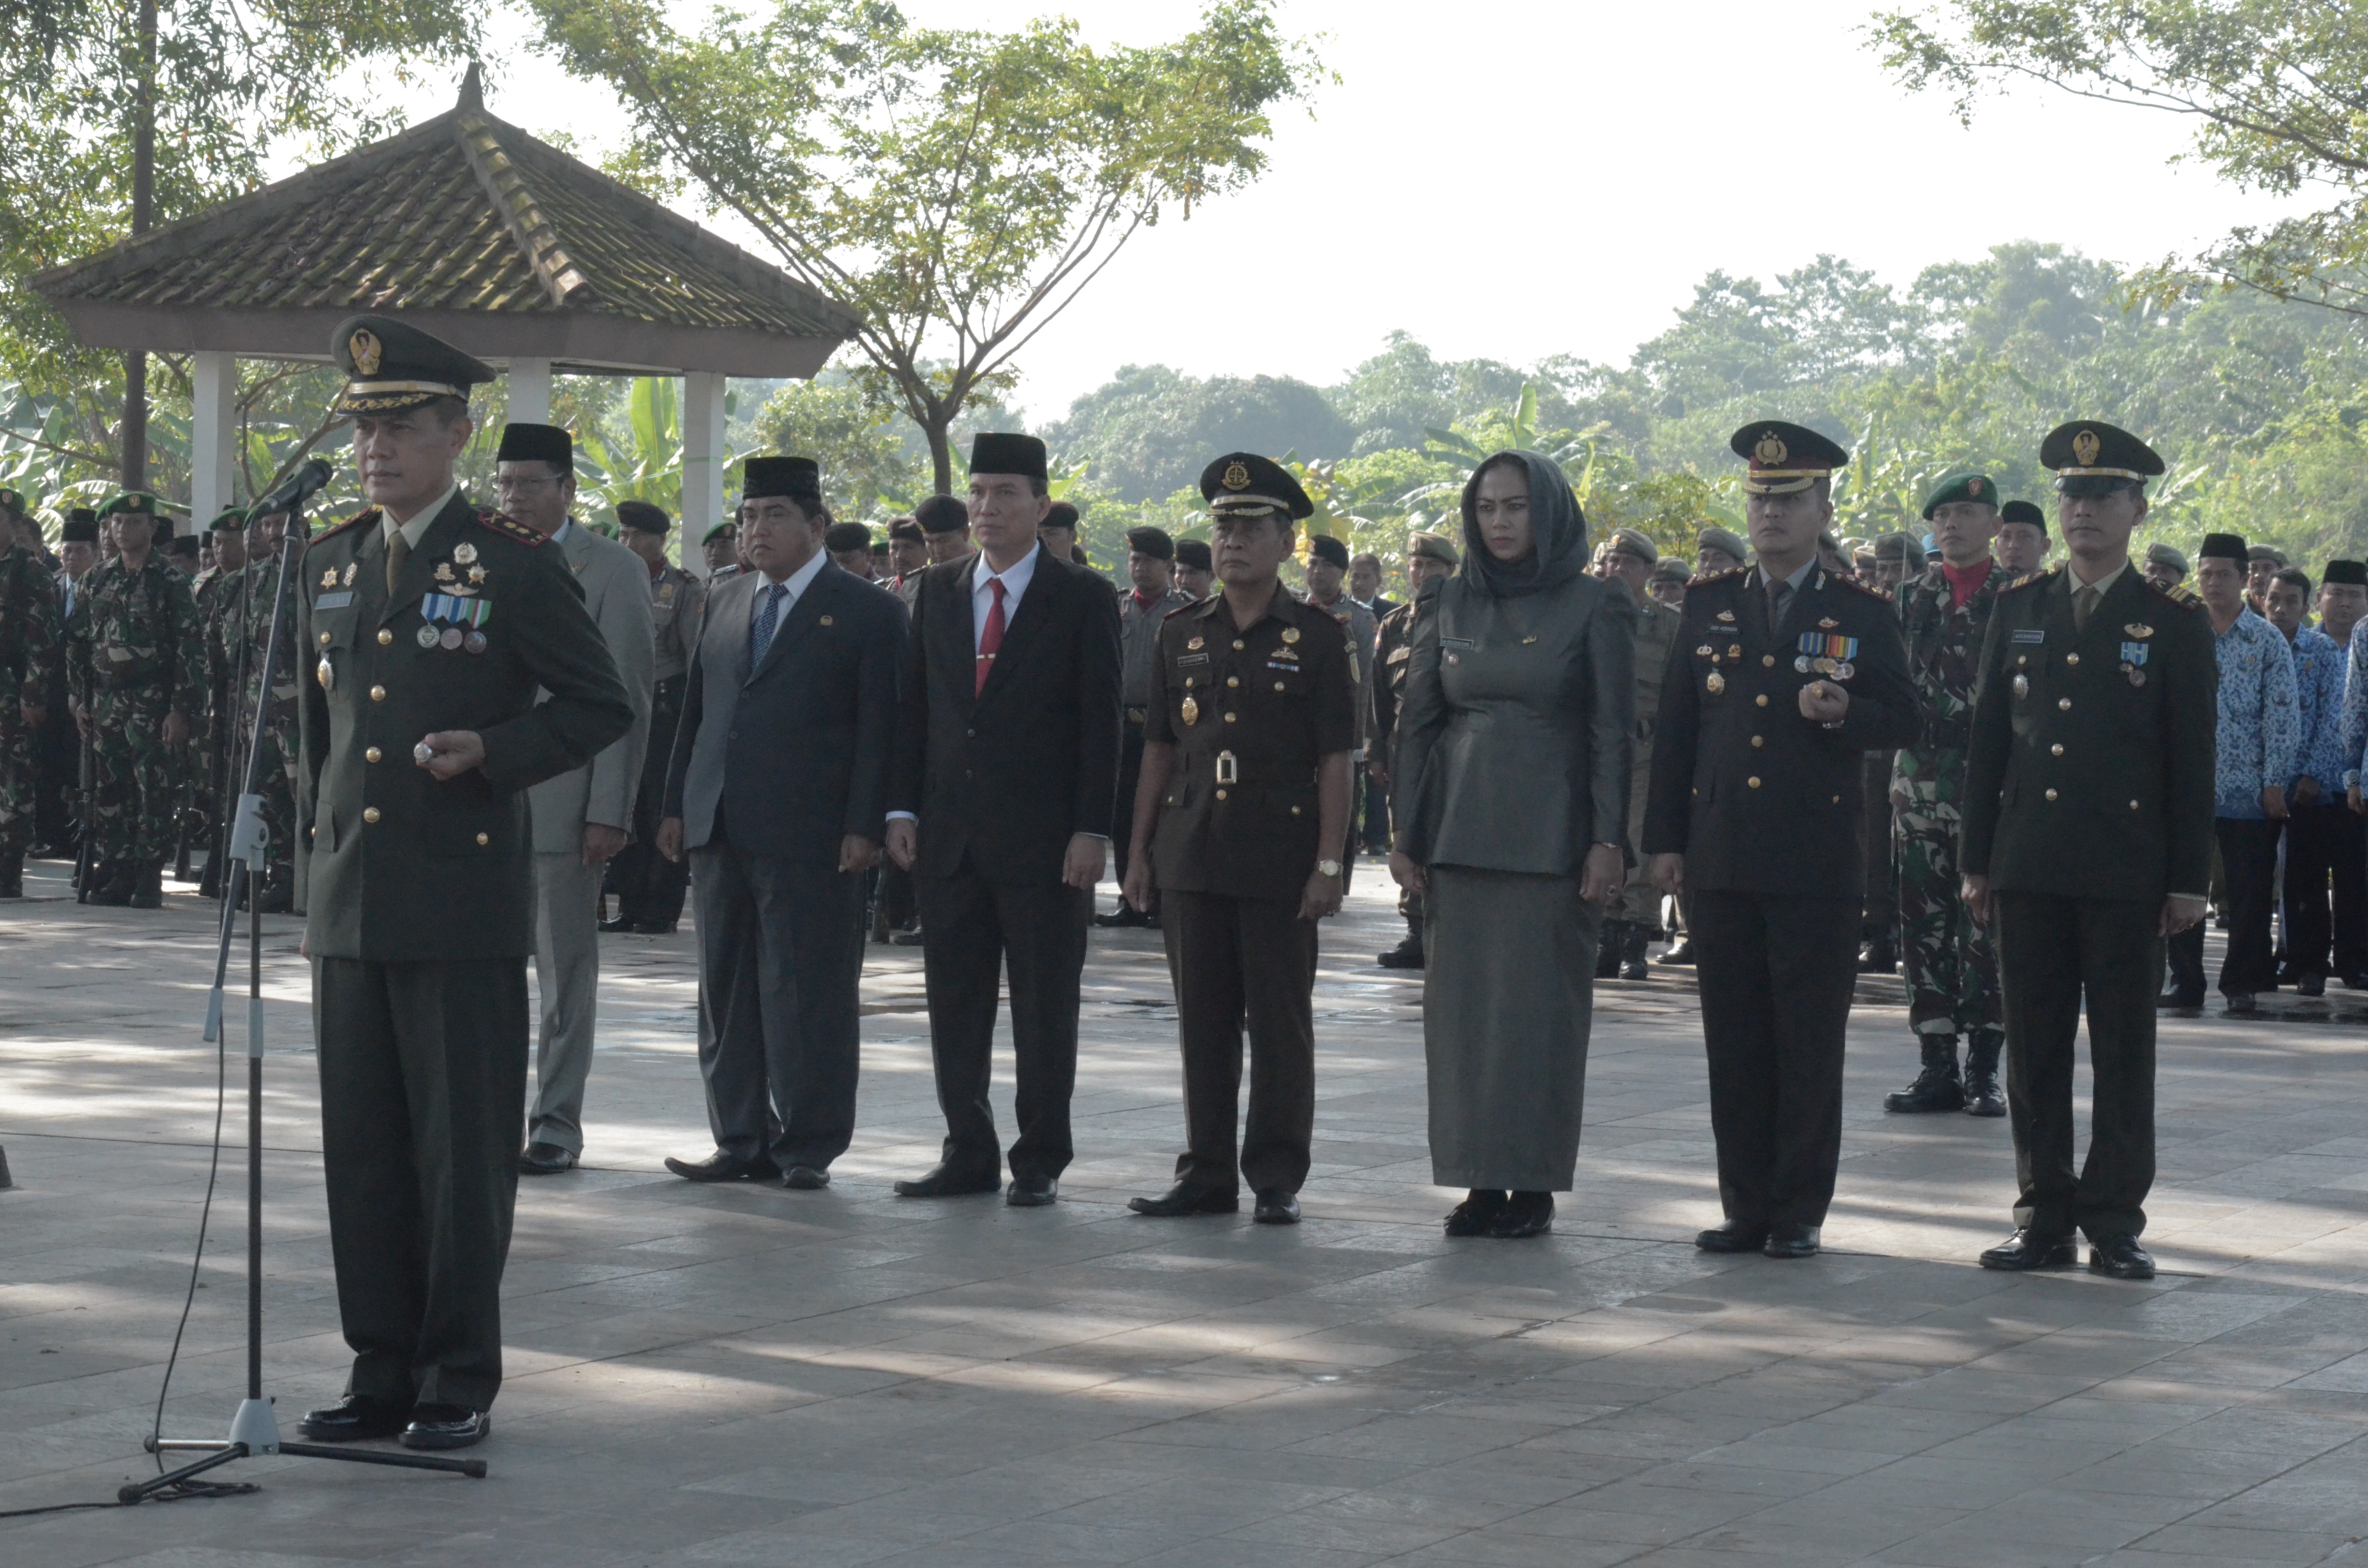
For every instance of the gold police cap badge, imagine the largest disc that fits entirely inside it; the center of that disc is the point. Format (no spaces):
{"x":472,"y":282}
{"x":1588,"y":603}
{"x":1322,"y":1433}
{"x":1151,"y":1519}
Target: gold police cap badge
{"x":1771,"y":448}
{"x":2085,"y":446}
{"x":1237,"y":476}
{"x":365,"y":349}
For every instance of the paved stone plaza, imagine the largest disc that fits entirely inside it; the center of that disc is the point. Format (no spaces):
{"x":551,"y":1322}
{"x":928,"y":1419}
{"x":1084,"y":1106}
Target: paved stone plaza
{"x":755,"y":1375}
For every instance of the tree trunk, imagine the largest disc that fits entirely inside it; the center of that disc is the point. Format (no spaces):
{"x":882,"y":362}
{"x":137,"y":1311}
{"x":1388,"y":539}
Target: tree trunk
{"x":941,"y":452}
{"x":143,"y":198}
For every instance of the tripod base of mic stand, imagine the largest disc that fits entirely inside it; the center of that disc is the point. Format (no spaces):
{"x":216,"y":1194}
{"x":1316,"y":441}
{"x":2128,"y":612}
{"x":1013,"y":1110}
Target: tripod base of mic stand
{"x":255,"y":1431}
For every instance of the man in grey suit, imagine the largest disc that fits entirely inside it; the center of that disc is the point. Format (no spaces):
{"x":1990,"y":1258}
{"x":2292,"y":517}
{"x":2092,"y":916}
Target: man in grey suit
{"x":778,"y":787}
{"x":580,"y":818}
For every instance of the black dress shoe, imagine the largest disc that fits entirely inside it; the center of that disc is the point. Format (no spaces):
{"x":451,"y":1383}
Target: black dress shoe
{"x":1733,"y":1237}
{"x":1792,"y":1241}
{"x":446,"y":1427}
{"x":611,"y":927}
{"x":2028,"y":1249}
{"x":2180,"y":1002}
{"x":1276,"y":1207}
{"x":1032,"y":1191}
{"x":1406,"y":955}
{"x":805,"y":1178}
{"x":356,"y":1419}
{"x":2356,"y":980}
{"x":2241,"y":1004}
{"x":545,"y":1159}
{"x":1124,"y":917}
{"x":2311,"y":986}
{"x":1878,"y":957}
{"x":1185,"y":1199}
{"x":945,"y":1181}
{"x":2119,"y":1257}
{"x":908,"y":938}
{"x":655,"y":928}
{"x":721,"y":1166}
{"x":1681,"y":951}
{"x":1476,"y":1213}
{"x":1524,"y":1214}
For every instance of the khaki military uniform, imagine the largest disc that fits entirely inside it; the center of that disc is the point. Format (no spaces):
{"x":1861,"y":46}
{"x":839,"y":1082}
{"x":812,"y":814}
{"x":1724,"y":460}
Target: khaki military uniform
{"x":1252,"y":714}
{"x":1657,"y":633}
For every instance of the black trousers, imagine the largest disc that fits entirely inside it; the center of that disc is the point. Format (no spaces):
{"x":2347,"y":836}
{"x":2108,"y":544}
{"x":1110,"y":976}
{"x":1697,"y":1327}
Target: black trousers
{"x":650,"y":888}
{"x":1129,"y":775}
{"x":423,"y":1102}
{"x":2348,"y":858}
{"x":979,"y":931}
{"x":1879,"y":922}
{"x":2310,"y":855}
{"x":57,"y":767}
{"x":1776,"y":973}
{"x":1377,"y":812}
{"x":781,"y":971}
{"x":2053,"y":953}
{"x":2249,"y":868}
{"x":1236,"y":961}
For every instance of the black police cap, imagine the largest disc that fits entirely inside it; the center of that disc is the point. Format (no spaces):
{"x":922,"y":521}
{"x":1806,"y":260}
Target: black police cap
{"x":1784,"y":458}
{"x":390,"y":367}
{"x":1244,"y":485}
{"x":2092,"y":458}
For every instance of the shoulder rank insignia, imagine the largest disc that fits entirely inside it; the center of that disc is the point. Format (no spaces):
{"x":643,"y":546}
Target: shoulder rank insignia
{"x":1858,"y":588}
{"x":368,"y":514}
{"x":2044,"y":575}
{"x":503,"y":524}
{"x":1706,"y":577}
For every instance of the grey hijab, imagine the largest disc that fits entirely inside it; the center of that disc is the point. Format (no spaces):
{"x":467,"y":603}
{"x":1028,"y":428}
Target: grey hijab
{"x":1560,"y":531}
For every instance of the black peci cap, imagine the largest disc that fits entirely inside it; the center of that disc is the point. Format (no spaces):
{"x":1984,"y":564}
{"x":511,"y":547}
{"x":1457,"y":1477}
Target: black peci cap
{"x":2024,"y":512}
{"x":2091,"y":458}
{"x":390,"y":367}
{"x":2225,"y":547}
{"x":1784,"y":458}
{"x":794,"y":479}
{"x":1244,"y":485}
{"x":81,"y":527}
{"x":2353,"y":571}
{"x":1151,"y":541}
{"x":536,"y":443}
{"x":993,"y":451}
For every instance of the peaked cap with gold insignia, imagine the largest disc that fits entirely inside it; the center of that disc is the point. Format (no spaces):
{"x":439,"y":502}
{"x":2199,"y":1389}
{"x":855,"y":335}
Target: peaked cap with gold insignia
{"x":1244,"y":485}
{"x":1784,"y":458}
{"x":391,"y":366}
{"x":2091,"y":458}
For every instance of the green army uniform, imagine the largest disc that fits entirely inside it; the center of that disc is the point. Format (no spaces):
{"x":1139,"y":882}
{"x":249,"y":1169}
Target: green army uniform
{"x":1640,"y":899}
{"x":2088,"y":802}
{"x":421,"y":894}
{"x":1952,"y":967}
{"x":1252,"y":713}
{"x":30,"y":650}
{"x":134,"y":655}
{"x":210,"y":794}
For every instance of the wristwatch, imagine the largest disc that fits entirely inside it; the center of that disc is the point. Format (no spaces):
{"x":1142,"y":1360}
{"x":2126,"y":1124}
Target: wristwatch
{"x":1329,"y":868}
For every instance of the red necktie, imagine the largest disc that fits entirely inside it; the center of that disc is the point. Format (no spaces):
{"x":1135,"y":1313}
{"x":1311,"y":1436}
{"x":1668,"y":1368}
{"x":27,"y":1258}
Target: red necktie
{"x":991,"y":638}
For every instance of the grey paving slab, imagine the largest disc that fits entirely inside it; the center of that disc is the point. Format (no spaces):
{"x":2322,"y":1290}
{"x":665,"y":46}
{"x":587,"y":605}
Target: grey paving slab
{"x":753,"y":1376}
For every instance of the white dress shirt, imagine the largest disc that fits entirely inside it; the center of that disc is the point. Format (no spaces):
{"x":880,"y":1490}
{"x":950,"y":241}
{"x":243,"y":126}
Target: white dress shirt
{"x":1015,"y":579}
{"x":795,"y":583}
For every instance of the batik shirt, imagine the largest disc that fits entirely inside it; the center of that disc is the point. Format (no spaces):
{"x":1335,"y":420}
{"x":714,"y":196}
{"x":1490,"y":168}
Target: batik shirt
{"x":2259,"y":739}
{"x":2319,"y":684}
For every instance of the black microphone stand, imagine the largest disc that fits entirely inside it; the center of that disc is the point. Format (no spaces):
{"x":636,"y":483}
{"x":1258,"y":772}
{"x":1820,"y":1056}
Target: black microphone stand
{"x":253,"y":1429}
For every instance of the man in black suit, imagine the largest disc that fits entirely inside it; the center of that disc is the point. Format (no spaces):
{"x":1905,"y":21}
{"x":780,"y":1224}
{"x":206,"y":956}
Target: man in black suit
{"x":1001,"y":795}
{"x":1783,"y":676}
{"x":776,"y":785}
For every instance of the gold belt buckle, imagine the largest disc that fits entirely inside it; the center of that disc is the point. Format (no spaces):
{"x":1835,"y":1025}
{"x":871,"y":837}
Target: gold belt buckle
{"x":1229,"y":768}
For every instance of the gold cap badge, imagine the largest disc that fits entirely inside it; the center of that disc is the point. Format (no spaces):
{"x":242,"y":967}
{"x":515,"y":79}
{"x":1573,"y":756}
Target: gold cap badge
{"x":1237,"y":476}
{"x":364,"y":345}
{"x":1771,"y":448}
{"x":1974,"y":486}
{"x":2085,"y":446}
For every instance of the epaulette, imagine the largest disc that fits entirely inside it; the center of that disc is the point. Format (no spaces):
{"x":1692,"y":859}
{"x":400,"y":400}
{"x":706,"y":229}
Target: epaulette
{"x":1704,"y":580}
{"x":335,"y":528}
{"x":1187,"y":610}
{"x":1881,"y":595}
{"x":2178,"y":594}
{"x":2044,"y":575}
{"x":502,"y":523}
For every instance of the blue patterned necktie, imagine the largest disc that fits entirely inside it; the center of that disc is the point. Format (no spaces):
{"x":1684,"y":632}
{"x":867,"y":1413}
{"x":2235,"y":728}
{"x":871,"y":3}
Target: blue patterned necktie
{"x":767,"y":620}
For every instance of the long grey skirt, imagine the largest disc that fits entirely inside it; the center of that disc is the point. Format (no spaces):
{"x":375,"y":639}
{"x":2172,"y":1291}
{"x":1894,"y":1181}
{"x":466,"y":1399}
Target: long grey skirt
{"x":1508,"y":995}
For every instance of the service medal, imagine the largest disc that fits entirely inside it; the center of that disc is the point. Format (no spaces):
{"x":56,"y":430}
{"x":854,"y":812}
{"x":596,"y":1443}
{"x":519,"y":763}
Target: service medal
{"x":1190,"y":711}
{"x":2137,"y":677}
{"x":350,"y":567}
{"x":1291,"y":634}
{"x":1824,"y":667}
{"x":465,"y":553}
{"x":474,"y":641}
{"x":450,"y":640}
{"x":329,"y":578}
{"x":428,"y":637}
{"x":1715,"y":683}
{"x":1843,"y":669}
{"x":324,"y":675}
{"x":1802,"y":664}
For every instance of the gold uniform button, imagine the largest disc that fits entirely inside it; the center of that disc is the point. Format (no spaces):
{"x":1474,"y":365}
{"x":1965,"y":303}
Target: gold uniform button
{"x":370,"y":814}
{"x":2051,"y":794}
{"x":1294,"y":811}
{"x":1768,"y":660}
{"x":2064,"y":704}
{"x":2134,"y":805}
{"x":483,"y":840}
{"x":1229,"y":718}
{"x":1838,"y":800}
{"x":1757,"y":740}
{"x":1239,"y":644}
{"x":378,"y":694}
{"x":325,"y":639}
{"x":1221,"y":794}
{"x":371,"y":755}
{"x":1278,"y":685}
{"x":384,"y":637}
{"x":2071,"y":658}
{"x":2055,"y":750}
{"x":1761,"y":700}
{"x":1753,"y":782}
{"x":1232,"y":680}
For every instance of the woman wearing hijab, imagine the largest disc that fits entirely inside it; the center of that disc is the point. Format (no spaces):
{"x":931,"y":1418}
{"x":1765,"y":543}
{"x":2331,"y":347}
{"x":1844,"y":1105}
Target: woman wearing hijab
{"x":1511,"y":801}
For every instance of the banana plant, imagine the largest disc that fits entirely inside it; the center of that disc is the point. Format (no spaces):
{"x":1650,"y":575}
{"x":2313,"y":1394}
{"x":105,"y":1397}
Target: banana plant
{"x":646,"y":463}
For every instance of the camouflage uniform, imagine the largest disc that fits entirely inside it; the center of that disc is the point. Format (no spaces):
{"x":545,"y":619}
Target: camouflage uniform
{"x":29,"y":662}
{"x":132,"y":656}
{"x":1952,"y":969}
{"x":240,"y":638}
{"x":203,"y":794}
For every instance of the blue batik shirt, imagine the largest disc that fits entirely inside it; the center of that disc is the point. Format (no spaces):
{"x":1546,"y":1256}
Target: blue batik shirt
{"x":2260,"y":716}
{"x":2318,"y":685}
{"x":2355,"y":707}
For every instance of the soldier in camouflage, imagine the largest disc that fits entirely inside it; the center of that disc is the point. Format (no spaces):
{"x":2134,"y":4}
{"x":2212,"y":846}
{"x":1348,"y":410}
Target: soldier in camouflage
{"x":239,"y":640}
{"x":1952,"y":969}
{"x":28,"y":660}
{"x":135,"y":670}
{"x":209,"y":797}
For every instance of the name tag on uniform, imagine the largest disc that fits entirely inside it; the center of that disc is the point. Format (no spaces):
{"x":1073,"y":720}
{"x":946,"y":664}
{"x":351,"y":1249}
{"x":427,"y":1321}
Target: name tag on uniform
{"x":1457,"y":642}
{"x":337,"y":600}
{"x":1191,"y":659}
{"x":2031,"y":634}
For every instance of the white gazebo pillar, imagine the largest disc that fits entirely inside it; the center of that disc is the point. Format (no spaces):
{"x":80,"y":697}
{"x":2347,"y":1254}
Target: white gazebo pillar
{"x":213,"y":432}
{"x":529,"y":392}
{"x":702,"y":463}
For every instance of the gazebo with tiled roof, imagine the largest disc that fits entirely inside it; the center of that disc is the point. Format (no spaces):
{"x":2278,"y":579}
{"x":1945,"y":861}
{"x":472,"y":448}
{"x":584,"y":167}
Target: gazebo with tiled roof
{"x":468,"y":227}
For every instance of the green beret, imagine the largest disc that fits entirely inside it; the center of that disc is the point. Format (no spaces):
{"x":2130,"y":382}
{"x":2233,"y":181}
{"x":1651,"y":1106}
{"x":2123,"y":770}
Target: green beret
{"x":1903,"y":547}
{"x":727,"y":528}
{"x":2163,"y":554}
{"x":134,"y":501}
{"x":229,"y":520}
{"x":1431,"y":547}
{"x":1975,"y":487}
{"x":12,"y":502}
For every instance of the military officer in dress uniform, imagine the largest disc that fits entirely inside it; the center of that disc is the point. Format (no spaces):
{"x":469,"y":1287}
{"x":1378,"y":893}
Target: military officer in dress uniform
{"x":1428,"y":555}
{"x":2087,"y":832}
{"x":430,"y":626}
{"x":1247,"y":764}
{"x":650,"y":888}
{"x":1783,"y":676}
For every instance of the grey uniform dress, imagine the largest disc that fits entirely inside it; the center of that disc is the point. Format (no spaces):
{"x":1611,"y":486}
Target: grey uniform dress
{"x":1513,"y":759}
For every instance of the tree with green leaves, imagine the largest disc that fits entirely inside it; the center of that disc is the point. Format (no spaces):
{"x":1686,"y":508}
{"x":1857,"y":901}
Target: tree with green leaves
{"x":121,"y":117}
{"x":956,"y":189}
{"x":2274,"y":90}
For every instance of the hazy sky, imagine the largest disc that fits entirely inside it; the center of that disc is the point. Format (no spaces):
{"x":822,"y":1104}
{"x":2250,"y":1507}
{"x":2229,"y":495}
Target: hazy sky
{"x":1518,"y":180}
